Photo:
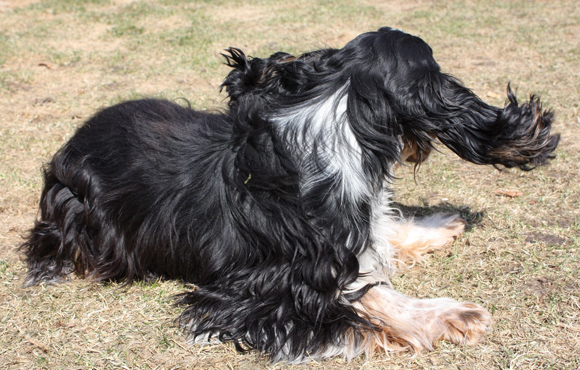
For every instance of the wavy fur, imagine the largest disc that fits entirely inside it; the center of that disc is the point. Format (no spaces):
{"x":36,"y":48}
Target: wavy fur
{"x":277,"y":209}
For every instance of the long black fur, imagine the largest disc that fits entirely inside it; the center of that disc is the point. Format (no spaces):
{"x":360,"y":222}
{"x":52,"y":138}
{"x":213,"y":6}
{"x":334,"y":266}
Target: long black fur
{"x":230,"y":202}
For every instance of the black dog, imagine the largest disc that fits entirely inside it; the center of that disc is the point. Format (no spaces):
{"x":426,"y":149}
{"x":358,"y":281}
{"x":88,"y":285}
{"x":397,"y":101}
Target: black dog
{"x":278,"y":209}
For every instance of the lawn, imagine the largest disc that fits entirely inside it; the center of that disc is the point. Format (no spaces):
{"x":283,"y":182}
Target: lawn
{"x":61,"y":60}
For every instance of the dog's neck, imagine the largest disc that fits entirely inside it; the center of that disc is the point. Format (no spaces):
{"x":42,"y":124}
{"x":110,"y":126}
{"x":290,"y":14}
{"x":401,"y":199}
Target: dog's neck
{"x":319,"y":133}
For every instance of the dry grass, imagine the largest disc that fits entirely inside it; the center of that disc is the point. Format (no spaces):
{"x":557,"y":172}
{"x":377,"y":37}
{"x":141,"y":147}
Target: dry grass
{"x":60,"y":60}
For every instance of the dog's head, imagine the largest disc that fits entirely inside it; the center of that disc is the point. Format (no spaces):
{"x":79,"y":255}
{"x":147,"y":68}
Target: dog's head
{"x":398,"y":96}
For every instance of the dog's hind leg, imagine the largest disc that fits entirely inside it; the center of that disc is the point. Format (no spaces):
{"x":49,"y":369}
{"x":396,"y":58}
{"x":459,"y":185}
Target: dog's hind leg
{"x":54,"y":248}
{"x":415,"y":237}
{"x":47,"y":244}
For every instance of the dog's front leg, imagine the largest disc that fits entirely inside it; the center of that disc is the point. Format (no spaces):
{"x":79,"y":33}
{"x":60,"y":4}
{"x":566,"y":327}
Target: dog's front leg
{"x":405,"y":323}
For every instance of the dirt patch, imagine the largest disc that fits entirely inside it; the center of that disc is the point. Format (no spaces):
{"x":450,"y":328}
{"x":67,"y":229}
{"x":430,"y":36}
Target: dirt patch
{"x":538,"y":286}
{"x":545,"y":238}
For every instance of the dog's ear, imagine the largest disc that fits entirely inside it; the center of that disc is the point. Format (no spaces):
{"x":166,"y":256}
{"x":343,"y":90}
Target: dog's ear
{"x":515,"y":136}
{"x":372,"y":114}
{"x":525,"y":140}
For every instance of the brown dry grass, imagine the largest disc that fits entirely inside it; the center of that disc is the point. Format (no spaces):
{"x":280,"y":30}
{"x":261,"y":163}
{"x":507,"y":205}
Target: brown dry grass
{"x":60,"y":60}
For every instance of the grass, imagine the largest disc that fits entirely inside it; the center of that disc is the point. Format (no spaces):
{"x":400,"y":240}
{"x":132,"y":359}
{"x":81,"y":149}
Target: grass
{"x":60,"y":60}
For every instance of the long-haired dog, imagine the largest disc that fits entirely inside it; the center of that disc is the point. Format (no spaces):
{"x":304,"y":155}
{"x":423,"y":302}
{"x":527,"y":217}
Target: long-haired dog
{"x":278,"y":209}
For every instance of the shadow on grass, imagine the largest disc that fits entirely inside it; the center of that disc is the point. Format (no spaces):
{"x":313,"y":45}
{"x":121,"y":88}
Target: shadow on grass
{"x":473,"y":218}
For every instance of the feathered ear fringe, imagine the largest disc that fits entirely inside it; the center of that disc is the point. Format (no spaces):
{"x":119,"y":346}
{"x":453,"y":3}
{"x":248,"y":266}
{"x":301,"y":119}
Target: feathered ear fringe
{"x":525,"y":140}
{"x":515,"y":136}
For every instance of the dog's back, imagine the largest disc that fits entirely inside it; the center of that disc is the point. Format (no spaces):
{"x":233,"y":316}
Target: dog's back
{"x":123,"y":189}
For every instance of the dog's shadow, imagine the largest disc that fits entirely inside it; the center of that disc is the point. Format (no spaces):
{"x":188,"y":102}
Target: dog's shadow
{"x":473,"y":218}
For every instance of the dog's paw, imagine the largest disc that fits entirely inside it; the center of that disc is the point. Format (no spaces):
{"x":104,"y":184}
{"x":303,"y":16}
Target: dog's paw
{"x":465,"y":323}
{"x":49,"y":272}
{"x":406,"y":323}
{"x":417,"y":237}
{"x":445,"y":227}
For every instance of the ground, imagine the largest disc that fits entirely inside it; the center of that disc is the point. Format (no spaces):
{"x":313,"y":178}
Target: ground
{"x":61,"y":60}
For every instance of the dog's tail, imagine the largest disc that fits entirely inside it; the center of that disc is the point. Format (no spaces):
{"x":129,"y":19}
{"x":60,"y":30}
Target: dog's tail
{"x":515,"y":136}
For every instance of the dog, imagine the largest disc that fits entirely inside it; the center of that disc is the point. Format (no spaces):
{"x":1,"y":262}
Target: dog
{"x":278,"y":209}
